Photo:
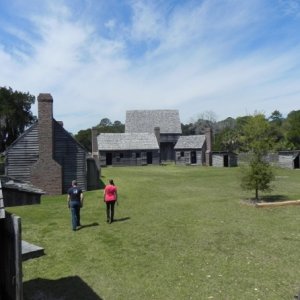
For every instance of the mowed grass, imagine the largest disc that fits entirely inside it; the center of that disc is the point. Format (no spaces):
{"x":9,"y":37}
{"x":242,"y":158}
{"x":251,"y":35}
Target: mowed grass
{"x":181,"y":233}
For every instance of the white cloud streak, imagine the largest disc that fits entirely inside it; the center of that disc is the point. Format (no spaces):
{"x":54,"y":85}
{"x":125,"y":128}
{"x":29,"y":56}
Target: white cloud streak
{"x":192,"y":56}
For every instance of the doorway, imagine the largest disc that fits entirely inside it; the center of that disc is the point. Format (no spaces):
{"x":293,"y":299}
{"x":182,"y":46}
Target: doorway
{"x":193,"y":157}
{"x":149,"y":158}
{"x":296,"y":162}
{"x":108,"y":158}
{"x":226,"y":160}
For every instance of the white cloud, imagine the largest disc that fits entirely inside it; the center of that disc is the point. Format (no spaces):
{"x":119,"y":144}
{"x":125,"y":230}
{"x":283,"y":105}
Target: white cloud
{"x":195,"y":58}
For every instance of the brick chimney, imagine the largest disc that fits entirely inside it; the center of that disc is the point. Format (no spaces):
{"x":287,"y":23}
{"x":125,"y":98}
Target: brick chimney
{"x":46,"y":173}
{"x":94,"y":133}
{"x":157,"y":134}
{"x":208,"y":154}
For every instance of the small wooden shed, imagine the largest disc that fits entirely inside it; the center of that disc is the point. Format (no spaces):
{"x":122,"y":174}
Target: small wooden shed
{"x":128,"y":149}
{"x":224,"y":159}
{"x":190,"y":150}
{"x":289,"y":159}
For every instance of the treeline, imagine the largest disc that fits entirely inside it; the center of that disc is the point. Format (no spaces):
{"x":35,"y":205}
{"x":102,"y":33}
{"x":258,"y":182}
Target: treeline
{"x":84,"y":137}
{"x":15,"y":115}
{"x":228,"y":135}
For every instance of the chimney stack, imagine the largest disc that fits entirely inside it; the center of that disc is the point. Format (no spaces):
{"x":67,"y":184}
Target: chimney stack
{"x":94,"y":133}
{"x":208,"y":154}
{"x":45,"y":117}
{"x":157,"y":134}
{"x":46,"y":173}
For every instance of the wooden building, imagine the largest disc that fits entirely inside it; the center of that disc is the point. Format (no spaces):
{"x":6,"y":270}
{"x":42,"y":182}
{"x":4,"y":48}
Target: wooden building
{"x":224,"y":159}
{"x":289,"y":159}
{"x":47,"y":155}
{"x":166,"y":124}
{"x":190,"y":150}
{"x":128,"y":149}
{"x":194,"y":149}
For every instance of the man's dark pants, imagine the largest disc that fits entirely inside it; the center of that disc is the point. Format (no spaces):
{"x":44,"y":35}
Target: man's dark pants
{"x":75,"y":211}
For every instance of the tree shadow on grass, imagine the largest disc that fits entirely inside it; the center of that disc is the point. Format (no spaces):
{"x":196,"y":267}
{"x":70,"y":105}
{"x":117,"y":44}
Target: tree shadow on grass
{"x":69,"y":288}
{"x":267,"y":199}
{"x":274,"y":198}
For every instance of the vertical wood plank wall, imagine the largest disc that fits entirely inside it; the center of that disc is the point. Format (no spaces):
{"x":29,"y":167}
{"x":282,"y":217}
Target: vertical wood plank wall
{"x":11,"y":285}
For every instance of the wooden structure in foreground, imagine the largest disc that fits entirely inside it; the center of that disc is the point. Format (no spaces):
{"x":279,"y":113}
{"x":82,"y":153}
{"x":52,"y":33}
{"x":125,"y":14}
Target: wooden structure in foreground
{"x":13,"y":251}
{"x":275,"y":204}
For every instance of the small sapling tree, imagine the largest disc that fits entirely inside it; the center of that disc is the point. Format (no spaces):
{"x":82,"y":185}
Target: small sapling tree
{"x":256,"y":138}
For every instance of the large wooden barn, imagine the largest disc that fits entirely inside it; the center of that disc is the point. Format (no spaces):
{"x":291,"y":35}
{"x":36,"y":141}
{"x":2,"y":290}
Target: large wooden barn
{"x":48,"y":156}
{"x":166,"y":123}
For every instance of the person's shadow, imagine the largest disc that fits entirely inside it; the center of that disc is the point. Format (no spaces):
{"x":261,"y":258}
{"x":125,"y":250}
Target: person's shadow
{"x":69,"y":288}
{"x":122,"y":219}
{"x":88,"y":225}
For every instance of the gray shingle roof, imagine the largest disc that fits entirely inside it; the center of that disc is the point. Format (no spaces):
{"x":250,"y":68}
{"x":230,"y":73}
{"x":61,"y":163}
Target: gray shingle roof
{"x":146,"y":120}
{"x":127,"y":141}
{"x":12,"y":183}
{"x":190,"y":142}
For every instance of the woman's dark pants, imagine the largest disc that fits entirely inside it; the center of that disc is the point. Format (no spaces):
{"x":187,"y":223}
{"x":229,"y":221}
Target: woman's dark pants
{"x":110,"y":211}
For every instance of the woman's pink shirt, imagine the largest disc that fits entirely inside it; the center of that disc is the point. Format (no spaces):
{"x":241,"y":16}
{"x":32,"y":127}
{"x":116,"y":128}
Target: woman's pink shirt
{"x":110,"y":192}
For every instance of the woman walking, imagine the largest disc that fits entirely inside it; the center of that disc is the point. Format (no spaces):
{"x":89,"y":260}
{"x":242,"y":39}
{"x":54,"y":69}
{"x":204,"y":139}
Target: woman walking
{"x":110,"y":197}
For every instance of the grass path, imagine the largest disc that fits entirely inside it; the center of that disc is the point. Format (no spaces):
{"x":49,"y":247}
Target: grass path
{"x":181,"y":233}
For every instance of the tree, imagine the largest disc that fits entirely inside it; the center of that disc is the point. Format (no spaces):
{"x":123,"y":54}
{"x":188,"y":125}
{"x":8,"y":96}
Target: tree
{"x":293,"y":129}
{"x":257,"y":176}
{"x":257,"y":140}
{"x":15,"y":115}
{"x":276,"y":117}
{"x":84,"y":137}
{"x":226,"y":137}
{"x":276,"y":121}
{"x":226,"y":140}
{"x":205,"y":120}
{"x":186,"y":129}
{"x":105,"y":122}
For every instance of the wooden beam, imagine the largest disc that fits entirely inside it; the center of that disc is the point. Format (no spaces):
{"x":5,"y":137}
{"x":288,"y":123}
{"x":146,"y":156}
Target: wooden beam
{"x":2,"y":210}
{"x":275,"y":204}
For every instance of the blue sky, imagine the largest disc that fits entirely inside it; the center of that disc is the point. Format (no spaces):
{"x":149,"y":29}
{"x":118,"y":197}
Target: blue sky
{"x":99,"y":58}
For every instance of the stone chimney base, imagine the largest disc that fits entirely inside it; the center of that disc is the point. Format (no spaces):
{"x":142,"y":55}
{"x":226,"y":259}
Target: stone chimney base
{"x":47,"y":175}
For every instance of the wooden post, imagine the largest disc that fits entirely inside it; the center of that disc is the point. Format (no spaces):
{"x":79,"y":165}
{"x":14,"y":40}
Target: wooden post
{"x":11,"y":258}
{"x":275,"y":204}
{"x":2,"y":210}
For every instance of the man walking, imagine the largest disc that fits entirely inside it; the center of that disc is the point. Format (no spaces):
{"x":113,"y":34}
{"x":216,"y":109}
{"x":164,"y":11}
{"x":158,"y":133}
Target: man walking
{"x":75,"y":202}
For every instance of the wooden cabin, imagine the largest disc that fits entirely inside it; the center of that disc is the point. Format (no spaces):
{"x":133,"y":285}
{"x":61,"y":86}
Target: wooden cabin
{"x":224,"y":159}
{"x":194,"y":149}
{"x":128,"y":149}
{"x":190,"y":150}
{"x":289,"y":159}
{"x":166,"y":124}
{"x":47,"y":155}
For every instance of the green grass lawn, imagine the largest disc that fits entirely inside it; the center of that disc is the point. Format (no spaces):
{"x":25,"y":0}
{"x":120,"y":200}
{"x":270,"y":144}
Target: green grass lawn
{"x":181,"y":233}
